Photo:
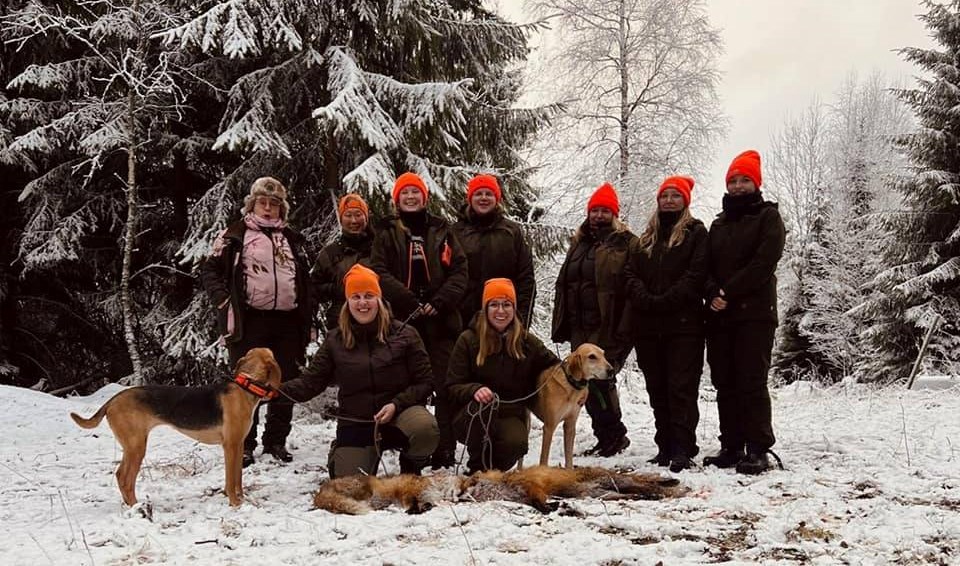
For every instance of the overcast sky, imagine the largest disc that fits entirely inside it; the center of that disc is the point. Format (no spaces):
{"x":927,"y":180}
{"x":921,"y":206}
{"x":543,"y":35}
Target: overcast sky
{"x":781,"y":54}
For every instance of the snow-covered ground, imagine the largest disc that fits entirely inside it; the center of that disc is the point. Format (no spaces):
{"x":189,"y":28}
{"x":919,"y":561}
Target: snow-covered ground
{"x":873,"y":477}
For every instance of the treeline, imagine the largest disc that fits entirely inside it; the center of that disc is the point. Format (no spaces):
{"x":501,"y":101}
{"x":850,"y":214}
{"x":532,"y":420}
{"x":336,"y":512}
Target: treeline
{"x":870,"y":189}
{"x":151,"y":118}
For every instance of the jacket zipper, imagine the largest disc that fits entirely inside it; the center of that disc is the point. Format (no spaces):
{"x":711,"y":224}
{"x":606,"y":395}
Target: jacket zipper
{"x":276,"y":284}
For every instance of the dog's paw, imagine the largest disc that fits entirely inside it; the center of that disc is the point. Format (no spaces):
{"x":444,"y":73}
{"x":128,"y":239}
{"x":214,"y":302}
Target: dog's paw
{"x":141,"y":509}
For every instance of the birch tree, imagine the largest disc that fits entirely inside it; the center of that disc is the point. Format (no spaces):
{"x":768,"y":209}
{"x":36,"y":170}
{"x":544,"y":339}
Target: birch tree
{"x":639,"y":79}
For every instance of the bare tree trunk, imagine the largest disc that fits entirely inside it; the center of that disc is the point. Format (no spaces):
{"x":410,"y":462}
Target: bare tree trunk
{"x":126,"y":300}
{"x":624,"y":94}
{"x":131,"y":231}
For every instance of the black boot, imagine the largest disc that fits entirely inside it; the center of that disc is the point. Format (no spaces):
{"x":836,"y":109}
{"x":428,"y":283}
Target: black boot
{"x":614,"y":447}
{"x":725,"y":458}
{"x":247,"y":457}
{"x":661,"y":459}
{"x":755,"y":462}
{"x":442,"y":458}
{"x":679,"y":462}
{"x":409,"y":466}
{"x":278,"y":451}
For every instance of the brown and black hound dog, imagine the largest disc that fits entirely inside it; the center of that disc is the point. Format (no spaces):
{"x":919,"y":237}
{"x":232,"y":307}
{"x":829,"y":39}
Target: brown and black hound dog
{"x":215,"y":414}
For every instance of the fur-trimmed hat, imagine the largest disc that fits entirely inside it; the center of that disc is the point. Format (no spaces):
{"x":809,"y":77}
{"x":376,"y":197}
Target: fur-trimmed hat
{"x":267,"y":187}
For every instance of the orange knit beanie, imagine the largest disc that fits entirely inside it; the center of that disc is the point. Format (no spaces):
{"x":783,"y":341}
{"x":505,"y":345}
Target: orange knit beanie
{"x":747,"y":164}
{"x":605,"y":196}
{"x":683,"y":184}
{"x":353,"y":200}
{"x":499,"y":288}
{"x":410,"y":180}
{"x":361,"y":279}
{"x":484,"y":182}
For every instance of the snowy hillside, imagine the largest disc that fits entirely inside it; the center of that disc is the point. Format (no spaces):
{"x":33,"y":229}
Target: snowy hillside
{"x":873,"y":477}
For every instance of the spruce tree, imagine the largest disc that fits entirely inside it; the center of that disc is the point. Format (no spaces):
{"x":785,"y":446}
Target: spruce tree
{"x":344,"y":95}
{"x":92,"y":105}
{"x":922,"y":283}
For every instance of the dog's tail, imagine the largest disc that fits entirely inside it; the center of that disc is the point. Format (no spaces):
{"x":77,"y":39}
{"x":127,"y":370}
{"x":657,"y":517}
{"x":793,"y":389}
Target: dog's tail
{"x":93,"y":421}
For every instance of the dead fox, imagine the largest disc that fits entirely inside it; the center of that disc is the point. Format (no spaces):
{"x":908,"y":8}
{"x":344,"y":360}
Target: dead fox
{"x":356,"y":495}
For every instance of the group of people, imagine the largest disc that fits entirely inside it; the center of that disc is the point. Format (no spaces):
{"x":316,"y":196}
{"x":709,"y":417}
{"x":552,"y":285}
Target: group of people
{"x":421,"y":308}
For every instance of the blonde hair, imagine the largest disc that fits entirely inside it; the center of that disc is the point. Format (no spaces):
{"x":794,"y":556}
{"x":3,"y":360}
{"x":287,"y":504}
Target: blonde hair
{"x":652,"y":232}
{"x":490,"y":339}
{"x":346,"y":329}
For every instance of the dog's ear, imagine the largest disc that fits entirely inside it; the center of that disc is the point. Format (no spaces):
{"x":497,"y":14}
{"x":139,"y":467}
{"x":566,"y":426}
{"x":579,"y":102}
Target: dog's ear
{"x":240,"y":363}
{"x":575,"y":364}
{"x":603,"y":355}
{"x":274,"y":374}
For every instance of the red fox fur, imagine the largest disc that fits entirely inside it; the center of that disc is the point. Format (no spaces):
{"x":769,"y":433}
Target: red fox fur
{"x":356,"y":495}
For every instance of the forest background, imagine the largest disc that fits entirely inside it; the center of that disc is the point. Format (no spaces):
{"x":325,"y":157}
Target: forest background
{"x":130,"y":131}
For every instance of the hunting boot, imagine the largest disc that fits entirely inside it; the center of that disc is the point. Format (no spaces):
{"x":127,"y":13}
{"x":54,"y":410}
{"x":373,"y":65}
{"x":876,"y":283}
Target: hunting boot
{"x":679,"y":462}
{"x":755,"y":462}
{"x":410,"y":466}
{"x":725,"y":458}
{"x":614,"y":446}
{"x":278,"y":451}
{"x":661,"y":459}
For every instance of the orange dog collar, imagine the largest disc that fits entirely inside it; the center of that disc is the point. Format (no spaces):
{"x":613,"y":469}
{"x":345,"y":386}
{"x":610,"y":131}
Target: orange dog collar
{"x":258,"y":388}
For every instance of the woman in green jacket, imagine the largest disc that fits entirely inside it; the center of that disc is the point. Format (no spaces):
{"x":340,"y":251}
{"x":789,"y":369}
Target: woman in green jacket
{"x":383,"y":374}
{"x":493,"y":370}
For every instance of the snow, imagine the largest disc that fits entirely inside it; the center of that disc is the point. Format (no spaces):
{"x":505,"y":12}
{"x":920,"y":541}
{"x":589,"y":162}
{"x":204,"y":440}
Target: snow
{"x":872,"y":478}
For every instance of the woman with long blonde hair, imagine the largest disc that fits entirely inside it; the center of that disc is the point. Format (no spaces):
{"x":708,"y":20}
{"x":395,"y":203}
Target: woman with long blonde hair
{"x":384,"y":378}
{"x":665,"y":272}
{"x":494,"y":367}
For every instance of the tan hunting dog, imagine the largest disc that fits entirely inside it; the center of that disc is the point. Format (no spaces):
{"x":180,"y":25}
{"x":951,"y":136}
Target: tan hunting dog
{"x":562,"y":393}
{"x":355,"y":495}
{"x":216,"y":414}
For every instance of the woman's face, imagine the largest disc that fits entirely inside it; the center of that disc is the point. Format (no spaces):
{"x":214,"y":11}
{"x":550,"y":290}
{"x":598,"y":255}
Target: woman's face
{"x":740,"y":185}
{"x":600,"y":216}
{"x":267,"y":207}
{"x":500,"y":314}
{"x":410,"y":199}
{"x":670,"y":200}
{"x":353,"y":221}
{"x":483,"y":201}
{"x":363,"y":307}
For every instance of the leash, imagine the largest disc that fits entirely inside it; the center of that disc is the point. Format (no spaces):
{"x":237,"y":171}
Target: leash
{"x":486,"y":420}
{"x":413,"y":315}
{"x":267,"y":392}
